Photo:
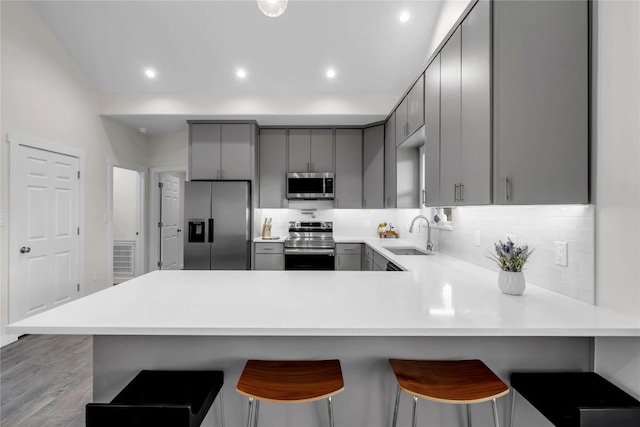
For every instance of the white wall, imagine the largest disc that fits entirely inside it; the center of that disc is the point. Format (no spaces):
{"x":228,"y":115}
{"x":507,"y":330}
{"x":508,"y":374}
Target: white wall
{"x":46,"y":96}
{"x":170,"y":149}
{"x":617,"y":181}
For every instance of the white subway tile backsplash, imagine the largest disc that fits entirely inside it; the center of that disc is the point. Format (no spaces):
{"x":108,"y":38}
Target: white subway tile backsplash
{"x":537,"y":226}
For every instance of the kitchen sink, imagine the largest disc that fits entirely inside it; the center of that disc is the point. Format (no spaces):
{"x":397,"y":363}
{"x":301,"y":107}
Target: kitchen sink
{"x":406,"y":250}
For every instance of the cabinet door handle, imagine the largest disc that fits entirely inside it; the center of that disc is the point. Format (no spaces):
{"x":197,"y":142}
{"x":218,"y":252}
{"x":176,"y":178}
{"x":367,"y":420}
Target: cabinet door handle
{"x":308,"y":167}
{"x":424,"y":197}
{"x":461,"y":192}
{"x":506,"y":188}
{"x":218,"y":174}
{"x":455,"y":192}
{"x":267,"y":249}
{"x":349,"y":249}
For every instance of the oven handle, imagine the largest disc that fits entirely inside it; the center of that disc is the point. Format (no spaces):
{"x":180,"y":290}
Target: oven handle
{"x":295,"y":251}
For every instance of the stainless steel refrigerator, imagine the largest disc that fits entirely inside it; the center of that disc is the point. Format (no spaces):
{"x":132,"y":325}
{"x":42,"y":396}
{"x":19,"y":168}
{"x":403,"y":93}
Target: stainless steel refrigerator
{"x":218,"y":225}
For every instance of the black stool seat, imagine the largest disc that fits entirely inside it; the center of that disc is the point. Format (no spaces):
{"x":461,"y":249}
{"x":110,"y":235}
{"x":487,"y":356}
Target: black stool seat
{"x":577,"y":399}
{"x":159,"y":398}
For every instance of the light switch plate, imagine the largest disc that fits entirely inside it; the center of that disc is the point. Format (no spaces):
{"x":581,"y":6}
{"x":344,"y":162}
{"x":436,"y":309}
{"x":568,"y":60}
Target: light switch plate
{"x":561,"y":253}
{"x":476,"y":237}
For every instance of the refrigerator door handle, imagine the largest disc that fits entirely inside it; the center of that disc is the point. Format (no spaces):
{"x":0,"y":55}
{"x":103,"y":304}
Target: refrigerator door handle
{"x":210,"y":230}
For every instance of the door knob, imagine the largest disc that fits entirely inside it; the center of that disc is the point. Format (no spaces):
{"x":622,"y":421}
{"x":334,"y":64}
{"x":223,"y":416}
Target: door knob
{"x":25,"y":250}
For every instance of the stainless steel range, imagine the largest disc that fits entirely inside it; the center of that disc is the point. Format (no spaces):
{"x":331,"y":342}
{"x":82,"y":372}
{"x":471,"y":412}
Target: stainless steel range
{"x":310,"y":246}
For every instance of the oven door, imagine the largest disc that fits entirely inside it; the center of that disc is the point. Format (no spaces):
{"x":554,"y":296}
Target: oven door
{"x":309,"y":259}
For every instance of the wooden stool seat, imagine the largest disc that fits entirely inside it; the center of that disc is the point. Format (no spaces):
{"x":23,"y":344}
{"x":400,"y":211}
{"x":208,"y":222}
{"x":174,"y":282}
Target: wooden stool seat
{"x":448,"y":381}
{"x":291,"y":381}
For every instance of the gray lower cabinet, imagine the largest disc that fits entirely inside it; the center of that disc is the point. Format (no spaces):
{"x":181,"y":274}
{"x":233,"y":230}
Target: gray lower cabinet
{"x":348,"y":177}
{"x":273,"y":168}
{"x":541,"y":102}
{"x":379,"y":262}
{"x":373,"y":165}
{"x":349,"y":256}
{"x":432,"y":133}
{"x":220,"y":151}
{"x":269,"y":256}
{"x":310,"y":150}
{"x":390,"y":162}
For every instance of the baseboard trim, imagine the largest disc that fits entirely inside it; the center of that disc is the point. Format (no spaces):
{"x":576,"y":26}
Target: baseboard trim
{"x":8,"y":339}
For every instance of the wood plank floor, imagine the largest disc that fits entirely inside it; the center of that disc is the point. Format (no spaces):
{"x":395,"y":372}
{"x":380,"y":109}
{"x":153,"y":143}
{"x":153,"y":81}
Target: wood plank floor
{"x":45,"y":381}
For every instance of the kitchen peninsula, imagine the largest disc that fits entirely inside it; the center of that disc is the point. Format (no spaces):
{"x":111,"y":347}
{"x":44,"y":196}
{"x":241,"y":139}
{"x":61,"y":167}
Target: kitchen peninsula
{"x":440,"y":308}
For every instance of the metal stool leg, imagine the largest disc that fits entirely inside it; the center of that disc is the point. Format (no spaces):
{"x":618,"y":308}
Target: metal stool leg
{"x":395,"y":408}
{"x":494,"y":405}
{"x":330,"y":412}
{"x":468,"y":415}
{"x":513,"y":408}
{"x":255,"y":415}
{"x":250,"y":412}
{"x":414,"y":423}
{"x":221,"y":409}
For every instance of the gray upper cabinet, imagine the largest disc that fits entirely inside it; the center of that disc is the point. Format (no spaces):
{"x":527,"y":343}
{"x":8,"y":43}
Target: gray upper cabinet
{"x":465,"y":133}
{"x":450,"y":120}
{"x":390,"y":162}
{"x":273,"y":168}
{"x":402,"y":114}
{"x":475,"y":143}
{"x":373,"y":165}
{"x":415,"y":106}
{"x":432,"y":133}
{"x":410,"y":112}
{"x":220,"y":151}
{"x":235,"y":151}
{"x":204,"y":151}
{"x":348,"y":178}
{"x":541,"y":105}
{"x":310,"y":150}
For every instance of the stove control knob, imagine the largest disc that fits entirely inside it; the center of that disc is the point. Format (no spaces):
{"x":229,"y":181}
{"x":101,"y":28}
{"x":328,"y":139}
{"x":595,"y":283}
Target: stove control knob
{"x":297,"y":224}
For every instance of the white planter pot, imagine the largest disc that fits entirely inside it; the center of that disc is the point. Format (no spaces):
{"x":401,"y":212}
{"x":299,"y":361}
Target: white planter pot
{"x":511,"y":283}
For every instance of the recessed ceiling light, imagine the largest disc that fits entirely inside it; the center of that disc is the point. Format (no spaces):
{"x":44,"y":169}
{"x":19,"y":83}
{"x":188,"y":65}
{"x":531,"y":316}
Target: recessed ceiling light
{"x":404,"y":16}
{"x":150,"y":72}
{"x":241,"y":73}
{"x":142,"y":130}
{"x":331,"y":73}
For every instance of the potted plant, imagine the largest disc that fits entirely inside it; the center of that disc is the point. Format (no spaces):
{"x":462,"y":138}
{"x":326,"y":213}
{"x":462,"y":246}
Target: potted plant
{"x":511,"y":259}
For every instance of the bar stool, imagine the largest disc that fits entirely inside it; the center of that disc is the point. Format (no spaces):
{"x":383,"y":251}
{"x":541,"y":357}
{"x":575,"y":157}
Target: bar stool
{"x":289,"y":382}
{"x":160,"y":398}
{"x":447,"y":381}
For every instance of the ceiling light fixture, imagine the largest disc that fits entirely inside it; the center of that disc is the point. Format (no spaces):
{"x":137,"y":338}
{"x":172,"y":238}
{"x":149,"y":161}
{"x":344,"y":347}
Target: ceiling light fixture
{"x":404,"y":16}
{"x":142,"y":130}
{"x":150,"y":72}
{"x":241,"y":73}
{"x":272,"y":8}
{"x":331,"y":73}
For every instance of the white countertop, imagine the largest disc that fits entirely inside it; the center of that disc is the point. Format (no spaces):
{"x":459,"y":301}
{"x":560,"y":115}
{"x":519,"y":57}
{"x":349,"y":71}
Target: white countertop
{"x":438,"y":296}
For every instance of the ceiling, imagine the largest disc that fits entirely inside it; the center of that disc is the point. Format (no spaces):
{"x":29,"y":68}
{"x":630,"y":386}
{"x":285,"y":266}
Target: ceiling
{"x":197,"y":46}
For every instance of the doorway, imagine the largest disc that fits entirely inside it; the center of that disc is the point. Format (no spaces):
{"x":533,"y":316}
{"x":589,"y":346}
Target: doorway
{"x":46,"y":232}
{"x":127,"y":223}
{"x":166,"y":236}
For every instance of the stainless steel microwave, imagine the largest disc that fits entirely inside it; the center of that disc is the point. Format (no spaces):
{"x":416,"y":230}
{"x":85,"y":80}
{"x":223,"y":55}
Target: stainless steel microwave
{"x":310,"y":185}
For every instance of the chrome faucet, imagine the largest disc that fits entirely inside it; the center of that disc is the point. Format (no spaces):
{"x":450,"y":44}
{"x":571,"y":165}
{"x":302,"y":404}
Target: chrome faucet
{"x":413,"y":223}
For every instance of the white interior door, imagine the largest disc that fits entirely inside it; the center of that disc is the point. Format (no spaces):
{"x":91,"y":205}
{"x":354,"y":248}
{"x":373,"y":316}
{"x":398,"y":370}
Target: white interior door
{"x":44,"y":218}
{"x":170,"y":220}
